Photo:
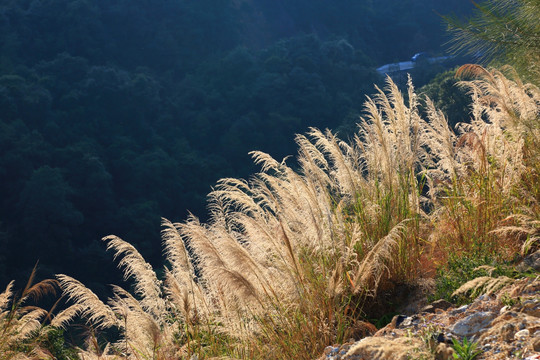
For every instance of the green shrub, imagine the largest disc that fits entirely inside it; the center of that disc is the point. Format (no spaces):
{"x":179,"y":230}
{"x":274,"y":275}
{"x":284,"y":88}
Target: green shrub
{"x":463,"y":268}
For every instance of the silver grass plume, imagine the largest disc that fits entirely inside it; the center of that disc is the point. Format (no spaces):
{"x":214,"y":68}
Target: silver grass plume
{"x":91,"y":307}
{"x":147,"y":285}
{"x":5,"y":297}
{"x":482,"y":285}
{"x":184,"y":294}
{"x":142,"y":334}
{"x":67,"y":315}
{"x":29,"y":323}
{"x":373,"y":266}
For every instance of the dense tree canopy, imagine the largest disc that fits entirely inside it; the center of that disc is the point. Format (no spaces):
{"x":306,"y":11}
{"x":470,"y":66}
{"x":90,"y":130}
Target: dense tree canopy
{"x":117,"y":112}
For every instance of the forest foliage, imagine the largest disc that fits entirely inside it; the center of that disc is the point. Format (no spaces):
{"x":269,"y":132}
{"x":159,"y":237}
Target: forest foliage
{"x":114,"y":113}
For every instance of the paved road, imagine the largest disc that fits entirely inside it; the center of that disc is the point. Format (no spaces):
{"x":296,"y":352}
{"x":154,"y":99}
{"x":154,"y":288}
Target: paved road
{"x":390,"y":68}
{"x":406,"y":65}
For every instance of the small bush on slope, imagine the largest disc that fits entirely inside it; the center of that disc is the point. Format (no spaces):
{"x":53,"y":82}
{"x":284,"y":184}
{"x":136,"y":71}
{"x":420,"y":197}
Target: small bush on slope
{"x":289,"y":258}
{"x":462,"y":268}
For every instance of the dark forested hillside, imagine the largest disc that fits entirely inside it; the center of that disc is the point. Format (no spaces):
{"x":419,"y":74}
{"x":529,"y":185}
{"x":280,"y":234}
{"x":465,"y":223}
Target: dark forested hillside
{"x":114,"y":113}
{"x":387,"y":30}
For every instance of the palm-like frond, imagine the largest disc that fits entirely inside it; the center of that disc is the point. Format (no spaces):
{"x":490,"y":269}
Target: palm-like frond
{"x":504,"y":30}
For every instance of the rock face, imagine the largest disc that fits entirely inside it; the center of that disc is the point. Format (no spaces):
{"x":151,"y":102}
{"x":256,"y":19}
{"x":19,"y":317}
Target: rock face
{"x":387,"y":349}
{"x":505,"y":325}
{"x":531,"y":262}
{"x":472,"y":324}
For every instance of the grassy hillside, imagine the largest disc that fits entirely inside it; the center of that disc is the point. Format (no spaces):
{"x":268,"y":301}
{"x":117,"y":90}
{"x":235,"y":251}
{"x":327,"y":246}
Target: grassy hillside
{"x":293,"y":259}
{"x":307,"y":252}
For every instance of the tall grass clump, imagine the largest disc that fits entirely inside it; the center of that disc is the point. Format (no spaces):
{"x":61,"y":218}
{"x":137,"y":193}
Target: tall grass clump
{"x":289,"y":259}
{"x":485,"y":182}
{"x":24,"y":327}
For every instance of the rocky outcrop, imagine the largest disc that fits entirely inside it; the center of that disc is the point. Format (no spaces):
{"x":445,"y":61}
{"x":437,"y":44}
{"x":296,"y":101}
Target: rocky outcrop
{"x":504,"y":325}
{"x":530,"y":262}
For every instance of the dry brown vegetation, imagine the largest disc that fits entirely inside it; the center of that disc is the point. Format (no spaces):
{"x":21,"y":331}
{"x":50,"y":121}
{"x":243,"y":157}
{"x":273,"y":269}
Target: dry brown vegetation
{"x":289,"y":259}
